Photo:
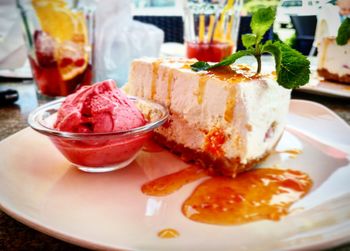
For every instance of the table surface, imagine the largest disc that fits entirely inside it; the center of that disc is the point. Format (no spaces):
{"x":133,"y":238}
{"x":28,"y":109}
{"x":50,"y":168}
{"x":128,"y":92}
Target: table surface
{"x":16,"y":236}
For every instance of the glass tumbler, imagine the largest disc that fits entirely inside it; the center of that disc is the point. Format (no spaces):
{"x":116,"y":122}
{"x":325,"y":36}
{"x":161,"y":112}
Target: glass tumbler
{"x":59,"y":37}
{"x":211,"y":28}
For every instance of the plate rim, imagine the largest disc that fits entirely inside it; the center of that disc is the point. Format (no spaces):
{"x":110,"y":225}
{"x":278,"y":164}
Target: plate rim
{"x":328,"y":92}
{"x":75,"y":240}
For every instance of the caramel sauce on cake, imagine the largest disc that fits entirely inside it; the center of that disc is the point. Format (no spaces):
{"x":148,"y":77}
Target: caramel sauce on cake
{"x":201,"y":87}
{"x":155,"y":67}
{"x":259,"y":194}
{"x":170,"y":83}
{"x":227,"y":74}
{"x":230,"y":105}
{"x":235,"y":75}
{"x":214,"y":141}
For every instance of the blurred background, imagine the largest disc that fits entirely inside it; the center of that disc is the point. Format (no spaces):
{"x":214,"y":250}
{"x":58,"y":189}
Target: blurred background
{"x":295,"y":24}
{"x":161,"y":24}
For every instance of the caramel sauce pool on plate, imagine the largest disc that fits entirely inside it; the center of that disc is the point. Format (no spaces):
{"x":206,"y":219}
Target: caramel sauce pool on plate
{"x":259,"y":194}
{"x":168,"y":233}
{"x":171,"y":183}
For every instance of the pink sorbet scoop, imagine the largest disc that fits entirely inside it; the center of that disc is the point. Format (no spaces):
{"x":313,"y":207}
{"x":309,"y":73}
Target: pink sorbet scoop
{"x":101,"y":107}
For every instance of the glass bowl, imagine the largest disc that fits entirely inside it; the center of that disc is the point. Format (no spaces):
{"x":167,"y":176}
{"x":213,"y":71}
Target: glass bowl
{"x":99,"y":152}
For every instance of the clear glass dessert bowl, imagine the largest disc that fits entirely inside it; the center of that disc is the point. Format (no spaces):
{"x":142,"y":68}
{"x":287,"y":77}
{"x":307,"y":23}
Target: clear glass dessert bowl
{"x":99,"y":152}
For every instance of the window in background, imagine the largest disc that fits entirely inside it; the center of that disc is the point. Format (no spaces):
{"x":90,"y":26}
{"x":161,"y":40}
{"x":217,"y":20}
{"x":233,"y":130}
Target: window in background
{"x":153,"y":3}
{"x":157,"y":7}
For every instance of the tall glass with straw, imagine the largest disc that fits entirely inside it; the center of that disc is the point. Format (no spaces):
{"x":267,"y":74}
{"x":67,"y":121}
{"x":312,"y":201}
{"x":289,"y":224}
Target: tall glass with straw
{"x":211,"y":28}
{"x":59,"y":38}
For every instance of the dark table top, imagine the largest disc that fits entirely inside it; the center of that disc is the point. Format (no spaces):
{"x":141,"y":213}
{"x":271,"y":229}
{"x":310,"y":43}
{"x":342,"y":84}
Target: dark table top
{"x":16,"y":236}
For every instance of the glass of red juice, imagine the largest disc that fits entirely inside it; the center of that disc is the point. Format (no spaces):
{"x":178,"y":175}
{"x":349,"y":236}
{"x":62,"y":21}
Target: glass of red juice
{"x":59,"y":38}
{"x":211,"y":29}
{"x":211,"y":52}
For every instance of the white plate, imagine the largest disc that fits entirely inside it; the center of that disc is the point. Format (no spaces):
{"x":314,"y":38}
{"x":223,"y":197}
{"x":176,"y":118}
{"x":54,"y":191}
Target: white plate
{"x":326,"y":88}
{"x":108,"y":211}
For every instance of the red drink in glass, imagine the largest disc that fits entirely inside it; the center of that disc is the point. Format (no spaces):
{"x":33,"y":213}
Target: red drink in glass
{"x":50,"y":82}
{"x":59,"y":38}
{"x":59,"y":68}
{"x":211,"y":52}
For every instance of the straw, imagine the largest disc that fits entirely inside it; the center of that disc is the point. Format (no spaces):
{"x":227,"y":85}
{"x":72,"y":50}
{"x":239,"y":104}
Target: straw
{"x":210,"y":28}
{"x":219,"y":29}
{"x":201,"y":28}
{"x":229,"y":28}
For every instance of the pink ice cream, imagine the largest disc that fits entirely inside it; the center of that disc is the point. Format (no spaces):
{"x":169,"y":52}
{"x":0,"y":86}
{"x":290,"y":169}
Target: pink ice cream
{"x":101,"y":107}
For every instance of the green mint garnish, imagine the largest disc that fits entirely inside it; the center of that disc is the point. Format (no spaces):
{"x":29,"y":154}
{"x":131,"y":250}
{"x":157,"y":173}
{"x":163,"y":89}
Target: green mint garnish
{"x":261,"y":22}
{"x":292,"y":68}
{"x":204,"y":66}
{"x":343,"y":32}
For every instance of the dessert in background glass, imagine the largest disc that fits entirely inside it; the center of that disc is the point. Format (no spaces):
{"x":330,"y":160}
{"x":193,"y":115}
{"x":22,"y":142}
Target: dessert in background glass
{"x":211,"y":28}
{"x":59,"y":39}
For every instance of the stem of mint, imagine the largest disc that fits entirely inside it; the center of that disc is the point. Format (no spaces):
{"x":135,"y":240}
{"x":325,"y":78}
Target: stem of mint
{"x":258,"y":58}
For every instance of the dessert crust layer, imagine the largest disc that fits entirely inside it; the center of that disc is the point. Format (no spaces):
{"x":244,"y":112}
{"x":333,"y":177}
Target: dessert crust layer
{"x":345,"y":79}
{"x":223,"y":166}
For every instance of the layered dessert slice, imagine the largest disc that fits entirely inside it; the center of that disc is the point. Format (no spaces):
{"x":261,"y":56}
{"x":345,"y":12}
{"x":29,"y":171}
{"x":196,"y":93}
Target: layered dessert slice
{"x":227,"y":119}
{"x":333,"y":43}
{"x":334,"y":60}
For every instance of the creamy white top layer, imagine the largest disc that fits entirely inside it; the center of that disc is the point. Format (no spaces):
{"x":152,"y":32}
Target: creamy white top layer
{"x":249,"y":111}
{"x":333,"y":57}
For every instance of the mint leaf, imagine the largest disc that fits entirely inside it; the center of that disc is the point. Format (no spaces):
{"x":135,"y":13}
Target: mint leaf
{"x":292,"y":68}
{"x":261,"y":22}
{"x":200,"y":66}
{"x":204,"y":66}
{"x":232,"y":58}
{"x":275,"y":51}
{"x":343,"y":32}
{"x":248,"y":40}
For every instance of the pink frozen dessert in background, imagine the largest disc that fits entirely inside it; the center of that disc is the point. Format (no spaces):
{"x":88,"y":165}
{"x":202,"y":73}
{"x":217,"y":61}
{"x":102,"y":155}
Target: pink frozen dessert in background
{"x":98,"y":108}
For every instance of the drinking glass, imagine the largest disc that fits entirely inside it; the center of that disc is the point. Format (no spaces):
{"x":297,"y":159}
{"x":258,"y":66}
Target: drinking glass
{"x":59,"y":37}
{"x":211,"y":28}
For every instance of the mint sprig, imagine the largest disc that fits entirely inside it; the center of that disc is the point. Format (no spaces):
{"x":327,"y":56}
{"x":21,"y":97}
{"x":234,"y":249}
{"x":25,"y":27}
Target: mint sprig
{"x":343,"y":32}
{"x":292,"y":68}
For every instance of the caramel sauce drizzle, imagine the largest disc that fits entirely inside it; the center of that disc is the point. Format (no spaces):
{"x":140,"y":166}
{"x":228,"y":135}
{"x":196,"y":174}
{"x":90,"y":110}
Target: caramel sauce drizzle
{"x":255,"y":195}
{"x":326,"y":42}
{"x":168,"y":233}
{"x":170,"y":183}
{"x":233,"y":76}
{"x":155,"y":67}
{"x":259,"y":194}
{"x":170,"y":82}
{"x":290,"y":151}
{"x":201,"y":88}
{"x":186,"y":66}
{"x":230,"y":105}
